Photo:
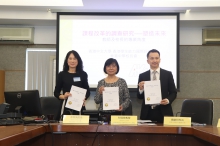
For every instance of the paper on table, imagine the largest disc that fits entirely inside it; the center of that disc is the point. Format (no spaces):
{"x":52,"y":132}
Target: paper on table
{"x":145,"y":122}
{"x":152,"y":92}
{"x":111,"y":98}
{"x":75,"y":101}
{"x":149,"y":124}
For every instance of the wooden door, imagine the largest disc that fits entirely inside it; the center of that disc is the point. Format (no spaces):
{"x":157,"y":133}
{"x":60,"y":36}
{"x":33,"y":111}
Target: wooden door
{"x":2,"y":86}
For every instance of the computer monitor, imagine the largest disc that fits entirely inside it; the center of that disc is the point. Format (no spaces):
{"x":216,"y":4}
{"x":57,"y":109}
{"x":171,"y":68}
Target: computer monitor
{"x":29,"y":101}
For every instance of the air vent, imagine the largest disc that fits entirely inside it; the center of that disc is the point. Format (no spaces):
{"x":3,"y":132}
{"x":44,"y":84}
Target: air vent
{"x":16,"y":35}
{"x":211,"y":36}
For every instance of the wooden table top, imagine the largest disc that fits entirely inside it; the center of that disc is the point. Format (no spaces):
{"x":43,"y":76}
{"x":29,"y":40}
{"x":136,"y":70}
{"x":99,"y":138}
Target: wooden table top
{"x":122,"y":129}
{"x":17,"y":134}
{"x":13,"y":135}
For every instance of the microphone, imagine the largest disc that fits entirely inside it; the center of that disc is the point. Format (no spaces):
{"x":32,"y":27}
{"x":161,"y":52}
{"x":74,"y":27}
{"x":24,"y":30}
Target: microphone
{"x":66,"y":112}
{"x":190,"y":114}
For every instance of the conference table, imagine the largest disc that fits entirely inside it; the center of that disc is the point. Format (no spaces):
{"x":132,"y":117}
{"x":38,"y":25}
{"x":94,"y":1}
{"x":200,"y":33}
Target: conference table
{"x":108,"y":135}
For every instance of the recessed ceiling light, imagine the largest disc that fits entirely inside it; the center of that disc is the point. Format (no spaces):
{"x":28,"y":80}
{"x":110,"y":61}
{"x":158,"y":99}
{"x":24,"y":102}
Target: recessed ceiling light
{"x":187,"y":11}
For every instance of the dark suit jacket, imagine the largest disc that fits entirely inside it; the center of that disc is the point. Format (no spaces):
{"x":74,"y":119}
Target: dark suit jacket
{"x":168,"y":90}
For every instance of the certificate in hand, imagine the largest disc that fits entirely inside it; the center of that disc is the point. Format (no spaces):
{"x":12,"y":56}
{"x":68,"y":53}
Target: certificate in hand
{"x":75,"y":101}
{"x":111,"y":98}
{"x":152,"y":92}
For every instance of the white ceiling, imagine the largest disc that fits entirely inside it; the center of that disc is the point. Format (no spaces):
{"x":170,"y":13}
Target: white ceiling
{"x":203,"y":13}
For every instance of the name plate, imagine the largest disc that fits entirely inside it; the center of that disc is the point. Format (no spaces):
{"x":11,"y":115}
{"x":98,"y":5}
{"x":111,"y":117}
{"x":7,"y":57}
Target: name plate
{"x":177,"y":121}
{"x":123,"y":120}
{"x":76,"y":119}
{"x":218,"y":125}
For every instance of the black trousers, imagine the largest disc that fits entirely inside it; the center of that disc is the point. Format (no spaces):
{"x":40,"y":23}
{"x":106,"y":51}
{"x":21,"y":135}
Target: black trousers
{"x":155,"y":115}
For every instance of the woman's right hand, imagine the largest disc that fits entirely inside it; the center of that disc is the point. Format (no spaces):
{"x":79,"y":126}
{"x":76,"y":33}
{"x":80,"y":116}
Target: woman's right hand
{"x":101,"y":89}
{"x":65,"y":96}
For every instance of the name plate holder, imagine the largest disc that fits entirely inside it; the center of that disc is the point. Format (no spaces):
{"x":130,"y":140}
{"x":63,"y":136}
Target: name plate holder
{"x":218,"y":125}
{"x":76,"y":119}
{"x":177,"y":121}
{"x":123,"y":120}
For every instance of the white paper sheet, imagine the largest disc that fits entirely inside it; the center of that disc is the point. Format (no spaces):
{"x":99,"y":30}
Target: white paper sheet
{"x":75,"y":101}
{"x":145,"y":122}
{"x":152,"y":92}
{"x":111,"y":98}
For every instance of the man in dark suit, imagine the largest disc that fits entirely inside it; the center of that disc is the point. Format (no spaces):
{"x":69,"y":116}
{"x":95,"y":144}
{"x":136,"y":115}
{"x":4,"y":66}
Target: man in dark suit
{"x":157,"y":112}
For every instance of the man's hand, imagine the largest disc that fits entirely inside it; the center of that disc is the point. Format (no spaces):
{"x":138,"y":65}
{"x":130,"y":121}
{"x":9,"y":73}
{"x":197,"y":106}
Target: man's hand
{"x":141,"y":85}
{"x":164,"y":101}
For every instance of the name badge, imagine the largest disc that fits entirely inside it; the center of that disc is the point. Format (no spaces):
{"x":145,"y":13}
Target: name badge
{"x":76,"y":79}
{"x":123,"y":120}
{"x":76,"y":119}
{"x":177,"y":121}
{"x":218,"y":125}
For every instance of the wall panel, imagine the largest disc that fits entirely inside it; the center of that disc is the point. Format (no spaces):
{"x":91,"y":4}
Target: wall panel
{"x":199,"y":73}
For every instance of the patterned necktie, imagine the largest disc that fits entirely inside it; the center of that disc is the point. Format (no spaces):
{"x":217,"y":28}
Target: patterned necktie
{"x":154,"y":75}
{"x":154,"y":79}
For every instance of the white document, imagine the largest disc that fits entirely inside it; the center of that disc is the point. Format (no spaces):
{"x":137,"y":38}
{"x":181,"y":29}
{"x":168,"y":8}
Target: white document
{"x":75,"y":101}
{"x":152,"y":92}
{"x":111,"y":98}
{"x":144,"y":121}
{"x":149,"y":124}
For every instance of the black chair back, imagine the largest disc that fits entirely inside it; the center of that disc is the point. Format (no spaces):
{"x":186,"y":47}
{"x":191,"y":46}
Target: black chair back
{"x":50,"y":105}
{"x":200,"y":110}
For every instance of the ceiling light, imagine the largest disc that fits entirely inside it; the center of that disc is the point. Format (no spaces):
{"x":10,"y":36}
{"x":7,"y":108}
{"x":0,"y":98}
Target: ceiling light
{"x":187,"y":11}
{"x":48,"y":10}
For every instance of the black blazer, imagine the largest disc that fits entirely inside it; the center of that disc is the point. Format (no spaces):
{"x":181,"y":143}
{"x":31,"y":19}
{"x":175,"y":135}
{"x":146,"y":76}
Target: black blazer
{"x":168,"y":90}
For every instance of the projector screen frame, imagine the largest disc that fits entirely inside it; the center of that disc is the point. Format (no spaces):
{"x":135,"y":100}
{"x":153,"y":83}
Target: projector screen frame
{"x":120,"y":14}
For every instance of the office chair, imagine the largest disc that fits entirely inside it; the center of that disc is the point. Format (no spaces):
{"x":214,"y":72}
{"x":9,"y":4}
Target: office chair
{"x":200,"y":110}
{"x":50,"y":105}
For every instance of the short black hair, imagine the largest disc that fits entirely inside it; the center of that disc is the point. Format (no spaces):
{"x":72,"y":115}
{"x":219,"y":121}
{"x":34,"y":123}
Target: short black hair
{"x":109,"y":62}
{"x":79,"y":67}
{"x":153,"y":51}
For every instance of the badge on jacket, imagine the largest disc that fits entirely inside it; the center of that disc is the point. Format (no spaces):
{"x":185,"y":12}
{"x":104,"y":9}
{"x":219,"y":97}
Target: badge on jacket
{"x":76,"y":79}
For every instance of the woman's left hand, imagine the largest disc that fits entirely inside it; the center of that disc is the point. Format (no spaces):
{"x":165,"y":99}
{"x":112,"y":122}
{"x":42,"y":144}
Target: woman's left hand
{"x":84,"y":102}
{"x":120,"y":108}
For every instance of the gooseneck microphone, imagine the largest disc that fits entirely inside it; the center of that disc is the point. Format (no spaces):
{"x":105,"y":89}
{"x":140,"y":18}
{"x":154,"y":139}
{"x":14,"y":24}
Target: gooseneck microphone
{"x":185,"y":114}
